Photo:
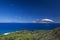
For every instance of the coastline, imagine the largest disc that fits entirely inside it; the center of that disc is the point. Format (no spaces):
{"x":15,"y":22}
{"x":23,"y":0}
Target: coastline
{"x":32,"y":35}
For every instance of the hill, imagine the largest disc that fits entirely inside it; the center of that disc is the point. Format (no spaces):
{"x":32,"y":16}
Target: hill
{"x":33,"y":35}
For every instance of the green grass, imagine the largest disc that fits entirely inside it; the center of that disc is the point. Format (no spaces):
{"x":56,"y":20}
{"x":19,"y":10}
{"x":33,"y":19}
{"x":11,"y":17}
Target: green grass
{"x":33,"y":35}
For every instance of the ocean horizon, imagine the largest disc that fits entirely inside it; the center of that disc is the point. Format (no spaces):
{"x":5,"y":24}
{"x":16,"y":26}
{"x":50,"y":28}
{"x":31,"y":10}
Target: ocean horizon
{"x":11,"y":27}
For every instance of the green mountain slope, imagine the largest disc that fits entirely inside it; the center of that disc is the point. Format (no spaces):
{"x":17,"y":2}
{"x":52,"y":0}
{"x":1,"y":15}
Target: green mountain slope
{"x":33,"y":35}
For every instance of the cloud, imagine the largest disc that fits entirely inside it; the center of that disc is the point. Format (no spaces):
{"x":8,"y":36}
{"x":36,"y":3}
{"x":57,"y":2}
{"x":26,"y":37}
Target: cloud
{"x":36,"y":21}
{"x":43,"y":21}
{"x":46,"y":21}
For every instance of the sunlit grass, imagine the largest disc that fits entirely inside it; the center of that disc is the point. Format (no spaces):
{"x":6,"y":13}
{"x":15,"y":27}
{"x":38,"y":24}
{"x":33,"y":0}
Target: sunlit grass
{"x":32,"y":35}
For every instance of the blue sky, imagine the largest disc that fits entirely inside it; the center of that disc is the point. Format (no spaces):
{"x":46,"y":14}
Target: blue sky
{"x":29,"y":10}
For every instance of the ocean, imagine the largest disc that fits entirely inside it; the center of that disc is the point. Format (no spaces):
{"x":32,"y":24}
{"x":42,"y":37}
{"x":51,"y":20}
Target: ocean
{"x":11,"y":27}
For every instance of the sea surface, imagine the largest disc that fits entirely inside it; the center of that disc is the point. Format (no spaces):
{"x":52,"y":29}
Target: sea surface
{"x":11,"y":27}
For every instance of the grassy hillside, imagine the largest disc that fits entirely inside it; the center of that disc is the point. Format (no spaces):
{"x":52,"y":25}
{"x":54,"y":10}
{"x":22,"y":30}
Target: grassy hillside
{"x":33,"y":35}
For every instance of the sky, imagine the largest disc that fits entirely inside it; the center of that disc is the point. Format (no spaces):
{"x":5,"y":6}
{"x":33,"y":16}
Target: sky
{"x":26,"y":11}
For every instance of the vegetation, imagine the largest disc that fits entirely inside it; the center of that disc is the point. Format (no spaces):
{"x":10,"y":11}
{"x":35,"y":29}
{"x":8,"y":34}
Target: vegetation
{"x":33,"y":35}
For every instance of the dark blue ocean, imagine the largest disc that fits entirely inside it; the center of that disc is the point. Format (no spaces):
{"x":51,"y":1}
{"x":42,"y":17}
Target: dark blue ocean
{"x":10,"y":27}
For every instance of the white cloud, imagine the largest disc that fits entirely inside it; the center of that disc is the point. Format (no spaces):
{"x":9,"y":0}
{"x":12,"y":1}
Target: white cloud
{"x":43,"y":21}
{"x":47,"y":20}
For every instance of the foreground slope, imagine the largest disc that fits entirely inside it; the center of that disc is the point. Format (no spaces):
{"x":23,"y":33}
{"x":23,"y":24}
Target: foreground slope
{"x":33,"y":35}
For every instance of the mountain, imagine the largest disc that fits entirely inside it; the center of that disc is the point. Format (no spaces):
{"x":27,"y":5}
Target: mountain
{"x":33,"y":35}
